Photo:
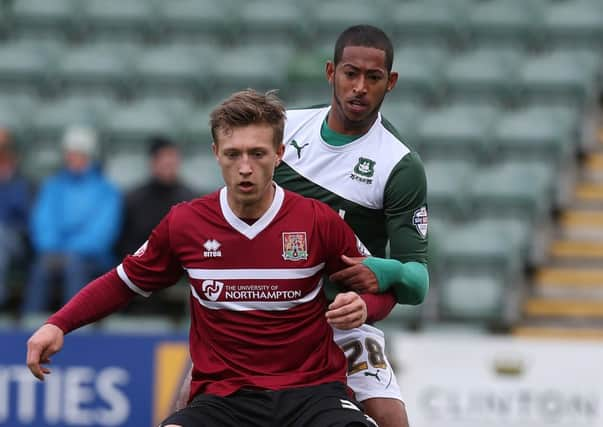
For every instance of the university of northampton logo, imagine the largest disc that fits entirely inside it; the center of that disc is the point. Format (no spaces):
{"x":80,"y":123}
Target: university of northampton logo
{"x":295,"y":247}
{"x":364,"y":170}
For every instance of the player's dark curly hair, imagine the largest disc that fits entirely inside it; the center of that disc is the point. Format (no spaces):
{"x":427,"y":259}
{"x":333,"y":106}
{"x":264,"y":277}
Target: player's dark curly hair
{"x":249,"y":107}
{"x":366,"y":36}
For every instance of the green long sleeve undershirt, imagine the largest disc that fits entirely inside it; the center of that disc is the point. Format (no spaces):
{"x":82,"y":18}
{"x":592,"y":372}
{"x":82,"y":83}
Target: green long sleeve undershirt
{"x":409,"y":280}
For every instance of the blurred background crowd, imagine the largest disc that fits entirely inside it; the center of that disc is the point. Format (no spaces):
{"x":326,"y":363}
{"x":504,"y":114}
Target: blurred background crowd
{"x":103,"y":126}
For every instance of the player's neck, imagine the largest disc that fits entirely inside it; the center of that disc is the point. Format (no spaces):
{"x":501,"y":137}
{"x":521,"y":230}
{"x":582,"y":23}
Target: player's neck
{"x":254,"y":210}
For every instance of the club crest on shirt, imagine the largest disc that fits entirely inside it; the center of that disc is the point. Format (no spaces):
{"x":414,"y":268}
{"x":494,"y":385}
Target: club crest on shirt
{"x":364,"y":170}
{"x":420,"y":220}
{"x":295,"y":247}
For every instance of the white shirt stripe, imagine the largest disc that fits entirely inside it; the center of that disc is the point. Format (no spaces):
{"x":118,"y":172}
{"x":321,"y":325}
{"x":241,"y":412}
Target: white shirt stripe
{"x":124,"y":277}
{"x":256,"y":305}
{"x":254,"y":273}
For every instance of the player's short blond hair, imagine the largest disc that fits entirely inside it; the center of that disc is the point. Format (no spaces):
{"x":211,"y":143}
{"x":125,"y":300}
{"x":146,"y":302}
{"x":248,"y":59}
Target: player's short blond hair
{"x":249,"y":107}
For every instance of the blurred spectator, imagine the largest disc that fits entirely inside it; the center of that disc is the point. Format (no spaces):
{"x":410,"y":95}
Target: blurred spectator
{"x":147,"y":204}
{"x":74,"y":224}
{"x":14,"y":210}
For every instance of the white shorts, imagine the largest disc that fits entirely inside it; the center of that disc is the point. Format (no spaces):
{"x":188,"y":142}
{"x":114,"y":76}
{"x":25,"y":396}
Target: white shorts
{"x":370,"y":374}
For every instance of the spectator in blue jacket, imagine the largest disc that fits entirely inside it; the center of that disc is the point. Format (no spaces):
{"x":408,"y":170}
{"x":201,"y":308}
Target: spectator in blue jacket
{"x":14,"y":210}
{"x":74,"y":223}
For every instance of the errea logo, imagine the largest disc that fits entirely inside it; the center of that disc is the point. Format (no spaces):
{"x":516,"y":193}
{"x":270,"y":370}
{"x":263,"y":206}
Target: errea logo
{"x":212,"y":247}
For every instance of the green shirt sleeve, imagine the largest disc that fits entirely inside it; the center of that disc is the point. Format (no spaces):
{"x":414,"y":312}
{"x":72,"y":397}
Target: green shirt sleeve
{"x":410,"y":280}
{"x":405,"y":206}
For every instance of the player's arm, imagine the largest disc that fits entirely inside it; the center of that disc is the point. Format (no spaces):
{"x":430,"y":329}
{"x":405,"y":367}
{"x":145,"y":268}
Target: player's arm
{"x":105,"y":295}
{"x":405,"y":204}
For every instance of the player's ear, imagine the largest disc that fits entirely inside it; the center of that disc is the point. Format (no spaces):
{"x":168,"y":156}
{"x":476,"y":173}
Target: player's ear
{"x":280,"y":152}
{"x":330,"y":71}
{"x":392,"y":80}
{"x":214,"y":149}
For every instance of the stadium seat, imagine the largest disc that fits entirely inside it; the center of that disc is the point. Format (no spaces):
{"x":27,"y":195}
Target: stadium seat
{"x":118,"y":19}
{"x":472,"y":297}
{"x":96,"y":67}
{"x":562,"y":76}
{"x":195,"y":128}
{"x":192,"y":19}
{"x":306,"y":72}
{"x":175,"y":68}
{"x":484,"y":74}
{"x":403,"y":114}
{"x":41,"y":19}
{"x":479,"y":248}
{"x":537,"y":133}
{"x":258,"y":65}
{"x":24,"y":64}
{"x":52,"y":116}
{"x":420,"y":70}
{"x":514,"y":189}
{"x":459,"y":131}
{"x":498,"y":22}
{"x":448,"y":181}
{"x":575,"y":23}
{"x":265,"y":19}
{"x":201,"y":171}
{"x":135,"y":122}
{"x":428,"y":20}
{"x":329,"y":18}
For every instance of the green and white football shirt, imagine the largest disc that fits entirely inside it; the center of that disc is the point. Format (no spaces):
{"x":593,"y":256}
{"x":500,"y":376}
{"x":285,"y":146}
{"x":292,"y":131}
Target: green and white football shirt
{"x":375,"y":182}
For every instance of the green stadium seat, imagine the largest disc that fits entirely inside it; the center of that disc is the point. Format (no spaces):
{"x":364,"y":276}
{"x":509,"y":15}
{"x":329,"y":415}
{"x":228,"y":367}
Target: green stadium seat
{"x":488,"y":74}
{"x":95,"y":67}
{"x":175,"y":68}
{"x":329,"y":18}
{"x":51,"y":117}
{"x":479,"y":248}
{"x":514,"y":189}
{"x":506,"y":21}
{"x":24,"y":64}
{"x":563,"y":77}
{"x":448,"y":181}
{"x":196,"y":129}
{"x":420,"y":69}
{"x":57,"y":18}
{"x":428,"y":19}
{"x":537,"y":133}
{"x":458,"y":131}
{"x":193,"y":18}
{"x":575,"y":23}
{"x":135,"y":122}
{"x":118,"y":19}
{"x":260,"y":66}
{"x":404,"y":115}
{"x":306,"y":72}
{"x":265,"y":19}
{"x":201,"y":171}
{"x":472,"y":297}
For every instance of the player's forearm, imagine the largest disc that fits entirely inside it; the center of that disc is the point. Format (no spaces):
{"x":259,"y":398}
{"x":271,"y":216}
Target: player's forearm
{"x":96,"y":300}
{"x":409,"y":281}
{"x":378,"y":306}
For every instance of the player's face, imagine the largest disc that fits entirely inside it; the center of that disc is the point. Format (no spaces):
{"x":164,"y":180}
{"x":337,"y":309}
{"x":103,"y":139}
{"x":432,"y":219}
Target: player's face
{"x":247,"y":157}
{"x":360,"y":81}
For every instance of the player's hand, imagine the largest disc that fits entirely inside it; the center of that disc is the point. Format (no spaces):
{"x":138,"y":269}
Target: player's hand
{"x":357,"y":276}
{"x":45,"y":342}
{"x":347,"y":311}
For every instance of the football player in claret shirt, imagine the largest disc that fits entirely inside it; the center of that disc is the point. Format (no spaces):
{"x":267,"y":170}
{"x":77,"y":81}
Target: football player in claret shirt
{"x":261,"y":337}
